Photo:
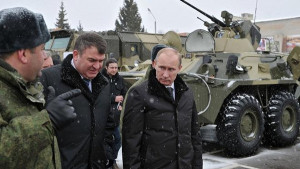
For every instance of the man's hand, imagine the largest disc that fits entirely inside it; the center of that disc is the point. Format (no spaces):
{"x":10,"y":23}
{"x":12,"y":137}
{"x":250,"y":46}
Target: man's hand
{"x":119,"y":99}
{"x":60,"y":108}
{"x":120,"y":108}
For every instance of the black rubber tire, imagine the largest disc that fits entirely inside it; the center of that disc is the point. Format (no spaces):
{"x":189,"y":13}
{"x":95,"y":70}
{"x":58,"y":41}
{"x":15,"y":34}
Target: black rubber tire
{"x":282,"y":120}
{"x":241,"y":125}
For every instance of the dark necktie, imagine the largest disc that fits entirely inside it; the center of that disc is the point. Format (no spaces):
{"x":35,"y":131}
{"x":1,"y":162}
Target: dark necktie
{"x":86,"y":81}
{"x":170,"y":90}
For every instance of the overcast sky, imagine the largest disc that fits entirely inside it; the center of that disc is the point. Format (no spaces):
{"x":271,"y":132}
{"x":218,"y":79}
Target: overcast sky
{"x":100,"y":15}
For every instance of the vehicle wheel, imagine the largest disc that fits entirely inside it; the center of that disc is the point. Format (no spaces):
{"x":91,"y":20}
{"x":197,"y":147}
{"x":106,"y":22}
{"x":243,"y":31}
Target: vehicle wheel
{"x":241,"y":125}
{"x":282,"y":120}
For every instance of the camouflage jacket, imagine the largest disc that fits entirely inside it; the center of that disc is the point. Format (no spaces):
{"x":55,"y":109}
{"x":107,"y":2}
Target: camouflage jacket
{"x":26,"y":136}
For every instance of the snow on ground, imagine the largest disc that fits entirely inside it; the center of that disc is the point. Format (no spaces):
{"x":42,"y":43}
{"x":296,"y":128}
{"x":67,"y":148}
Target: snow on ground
{"x":215,"y":159}
{"x":210,"y":161}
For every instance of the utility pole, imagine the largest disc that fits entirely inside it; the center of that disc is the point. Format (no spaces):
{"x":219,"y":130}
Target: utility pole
{"x":154,"y":20}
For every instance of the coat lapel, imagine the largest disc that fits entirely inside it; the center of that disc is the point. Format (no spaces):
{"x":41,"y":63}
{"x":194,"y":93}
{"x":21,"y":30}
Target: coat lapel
{"x":70,"y":76}
{"x":157,"y":89}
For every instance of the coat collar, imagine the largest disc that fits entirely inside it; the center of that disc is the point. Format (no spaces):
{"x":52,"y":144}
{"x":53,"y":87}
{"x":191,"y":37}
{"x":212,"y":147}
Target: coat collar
{"x":104,"y":72}
{"x":158,"y":89}
{"x":70,"y":76}
{"x":33,"y":91}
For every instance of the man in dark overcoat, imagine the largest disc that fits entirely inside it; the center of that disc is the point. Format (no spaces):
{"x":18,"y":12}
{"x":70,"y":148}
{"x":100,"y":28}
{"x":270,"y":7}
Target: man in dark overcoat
{"x":82,"y":142}
{"x":118,"y":91}
{"x":160,"y":125}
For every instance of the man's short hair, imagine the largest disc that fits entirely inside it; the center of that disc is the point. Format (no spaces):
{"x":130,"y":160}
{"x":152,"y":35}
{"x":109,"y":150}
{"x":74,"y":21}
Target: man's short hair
{"x":111,"y":60}
{"x":20,"y":28}
{"x":5,"y":55}
{"x":56,"y":59}
{"x":169,"y":49}
{"x":88,"y":40}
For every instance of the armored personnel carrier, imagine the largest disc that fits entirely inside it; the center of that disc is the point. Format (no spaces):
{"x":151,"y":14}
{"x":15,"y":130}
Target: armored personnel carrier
{"x":244,"y":97}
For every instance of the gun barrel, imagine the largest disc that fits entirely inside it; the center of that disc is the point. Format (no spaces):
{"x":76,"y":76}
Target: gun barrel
{"x":205,"y":23}
{"x":201,"y":19}
{"x":215,"y":20}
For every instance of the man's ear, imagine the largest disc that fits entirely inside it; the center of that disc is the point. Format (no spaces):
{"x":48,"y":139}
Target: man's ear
{"x":153,"y":64}
{"x":75,"y":55}
{"x":22,"y":56}
{"x":180,"y":67}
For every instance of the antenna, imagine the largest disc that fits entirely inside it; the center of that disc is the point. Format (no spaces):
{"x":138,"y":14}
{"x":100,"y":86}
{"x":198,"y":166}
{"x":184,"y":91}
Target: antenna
{"x":255,"y":11}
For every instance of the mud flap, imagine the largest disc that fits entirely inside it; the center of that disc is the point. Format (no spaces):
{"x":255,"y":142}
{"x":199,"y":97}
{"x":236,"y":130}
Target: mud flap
{"x":209,"y":133}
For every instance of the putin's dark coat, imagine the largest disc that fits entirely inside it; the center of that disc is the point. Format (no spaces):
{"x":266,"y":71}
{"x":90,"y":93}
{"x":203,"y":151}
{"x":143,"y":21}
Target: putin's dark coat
{"x":159,"y":132}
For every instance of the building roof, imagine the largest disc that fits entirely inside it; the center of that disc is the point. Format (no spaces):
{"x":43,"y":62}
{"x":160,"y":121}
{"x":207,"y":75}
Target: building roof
{"x":280,"y":19}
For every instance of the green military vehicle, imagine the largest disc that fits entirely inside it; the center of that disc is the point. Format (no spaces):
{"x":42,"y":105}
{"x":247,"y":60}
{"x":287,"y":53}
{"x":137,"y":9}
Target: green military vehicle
{"x":62,"y":42}
{"x":244,"y":97}
{"x":129,"y":48}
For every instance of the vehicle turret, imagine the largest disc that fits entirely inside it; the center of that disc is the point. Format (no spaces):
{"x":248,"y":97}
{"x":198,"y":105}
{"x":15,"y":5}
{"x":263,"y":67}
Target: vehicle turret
{"x":231,"y":33}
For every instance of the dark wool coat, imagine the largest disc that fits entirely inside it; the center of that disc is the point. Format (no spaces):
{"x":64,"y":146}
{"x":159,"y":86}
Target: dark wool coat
{"x":117,"y":88}
{"x":158,"y":132}
{"x":82,"y":142}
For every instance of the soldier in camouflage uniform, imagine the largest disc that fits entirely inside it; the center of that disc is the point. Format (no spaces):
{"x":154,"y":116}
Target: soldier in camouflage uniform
{"x":27,"y":138}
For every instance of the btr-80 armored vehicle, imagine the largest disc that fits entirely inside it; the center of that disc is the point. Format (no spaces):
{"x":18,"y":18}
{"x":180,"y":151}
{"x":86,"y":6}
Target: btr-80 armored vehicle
{"x":244,"y":97}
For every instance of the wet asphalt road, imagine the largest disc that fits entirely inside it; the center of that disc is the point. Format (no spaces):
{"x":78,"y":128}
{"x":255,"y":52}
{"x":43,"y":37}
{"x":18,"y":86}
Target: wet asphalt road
{"x":265,"y":158}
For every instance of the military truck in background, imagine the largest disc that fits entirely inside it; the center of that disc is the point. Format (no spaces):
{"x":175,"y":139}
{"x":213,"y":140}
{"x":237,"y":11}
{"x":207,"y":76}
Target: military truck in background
{"x":129,"y":48}
{"x":245,"y":97}
{"x":61,"y":41}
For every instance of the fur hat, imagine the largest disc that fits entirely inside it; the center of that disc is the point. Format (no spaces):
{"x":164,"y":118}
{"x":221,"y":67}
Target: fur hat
{"x":156,"y":49}
{"x":20,"y":28}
